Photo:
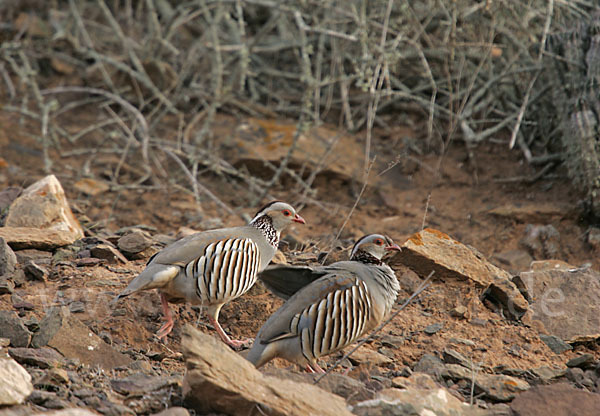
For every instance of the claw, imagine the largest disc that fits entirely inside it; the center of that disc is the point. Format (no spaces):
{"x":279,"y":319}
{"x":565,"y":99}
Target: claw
{"x":233,"y":343}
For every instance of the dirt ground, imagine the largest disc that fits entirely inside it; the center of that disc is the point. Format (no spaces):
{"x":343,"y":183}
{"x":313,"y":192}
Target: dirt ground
{"x":452,"y":193}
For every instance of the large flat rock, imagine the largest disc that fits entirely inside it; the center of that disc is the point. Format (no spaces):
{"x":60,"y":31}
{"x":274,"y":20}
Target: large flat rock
{"x":73,"y":339}
{"x":432,"y":250}
{"x":219,"y":380}
{"x":558,"y":399}
{"x":566,"y":300}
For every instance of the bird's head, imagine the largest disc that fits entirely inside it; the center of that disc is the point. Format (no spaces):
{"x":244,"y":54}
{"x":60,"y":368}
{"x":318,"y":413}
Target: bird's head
{"x":371,"y":248}
{"x":280,"y":213}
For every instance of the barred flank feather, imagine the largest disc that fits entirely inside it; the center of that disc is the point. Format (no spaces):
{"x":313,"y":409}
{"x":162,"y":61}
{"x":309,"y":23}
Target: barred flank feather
{"x":226,"y":269}
{"x":334,"y":322}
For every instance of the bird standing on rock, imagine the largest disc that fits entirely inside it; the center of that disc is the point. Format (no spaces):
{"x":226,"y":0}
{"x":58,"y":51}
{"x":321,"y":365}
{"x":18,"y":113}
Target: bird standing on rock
{"x":214,"y":267}
{"x":344,"y":300}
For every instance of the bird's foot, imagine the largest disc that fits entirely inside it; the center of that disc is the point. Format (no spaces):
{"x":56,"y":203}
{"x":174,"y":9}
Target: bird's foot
{"x":239,"y":344}
{"x":314,"y":368}
{"x":165,"y":329}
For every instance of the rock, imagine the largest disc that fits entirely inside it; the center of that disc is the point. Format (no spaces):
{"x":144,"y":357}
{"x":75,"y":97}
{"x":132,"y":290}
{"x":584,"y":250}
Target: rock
{"x":558,"y":399}
{"x":40,"y":357}
{"x":35,"y":272}
{"x":412,"y":401}
{"x":432,"y":365}
{"x":6,"y":285}
{"x":557,"y":345}
{"x":514,"y":261}
{"x":454,"y":357}
{"x":415,"y":380}
{"x":15,"y":382}
{"x":141,"y":383}
{"x":462,"y":341}
{"x":12,"y":327}
{"x":4,"y":342}
{"x":583,"y":361}
{"x":219,"y":380}
{"x":350,"y":389}
{"x":134,"y":242}
{"x":547,"y":374}
{"x":27,"y":237}
{"x":47,"y":399}
{"x":566,"y":301}
{"x":431,"y":249}
{"x":496,"y":387}
{"x":459,"y":312}
{"x":43,"y":206}
{"x":173,"y":411}
{"x":91,"y":187}
{"x":542,"y":241}
{"x":53,"y":378}
{"x":364,"y":355}
{"x":108,"y":253}
{"x":38,"y":256}
{"x":433,"y":328}
{"x":8,"y":260}
{"x":392,"y":341}
{"x":72,"y":338}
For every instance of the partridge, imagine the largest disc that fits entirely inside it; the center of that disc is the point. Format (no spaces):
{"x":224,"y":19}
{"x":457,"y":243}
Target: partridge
{"x":214,"y":267}
{"x":338,"y":304}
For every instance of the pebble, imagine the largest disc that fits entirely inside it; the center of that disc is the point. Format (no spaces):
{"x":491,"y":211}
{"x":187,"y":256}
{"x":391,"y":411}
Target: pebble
{"x":433,"y":328}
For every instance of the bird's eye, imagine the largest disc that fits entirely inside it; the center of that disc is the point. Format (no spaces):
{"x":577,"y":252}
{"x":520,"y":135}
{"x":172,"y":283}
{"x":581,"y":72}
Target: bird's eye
{"x":286,"y":212}
{"x":379,"y":242}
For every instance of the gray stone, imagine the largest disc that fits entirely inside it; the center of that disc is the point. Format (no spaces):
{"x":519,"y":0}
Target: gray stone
{"x":134,"y":242}
{"x":433,"y":328}
{"x":40,"y":357}
{"x":556,"y":344}
{"x":566,"y":301}
{"x":547,"y":374}
{"x":38,"y":256}
{"x":12,"y":327}
{"x":451,"y":356}
{"x":15,"y":382}
{"x":558,"y":399}
{"x":582,"y":361}
{"x":34,"y":271}
{"x":108,"y":253}
{"x":495,"y":387}
{"x":8,"y":259}
{"x":432,"y":365}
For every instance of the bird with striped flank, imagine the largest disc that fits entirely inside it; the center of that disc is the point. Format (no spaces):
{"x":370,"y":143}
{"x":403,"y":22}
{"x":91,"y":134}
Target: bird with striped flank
{"x":211,"y":268}
{"x":337,"y":304}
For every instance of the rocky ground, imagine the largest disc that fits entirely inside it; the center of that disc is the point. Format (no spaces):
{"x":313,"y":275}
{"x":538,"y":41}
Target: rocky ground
{"x":509,"y":324}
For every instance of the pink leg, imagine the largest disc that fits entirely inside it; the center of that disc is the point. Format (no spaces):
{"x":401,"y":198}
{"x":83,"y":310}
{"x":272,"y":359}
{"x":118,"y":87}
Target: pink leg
{"x":168,"y":325}
{"x":314,"y":368}
{"x":233,"y":343}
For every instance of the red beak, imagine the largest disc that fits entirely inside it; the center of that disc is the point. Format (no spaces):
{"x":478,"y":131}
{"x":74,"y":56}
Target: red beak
{"x":393,"y":247}
{"x":299,"y":219}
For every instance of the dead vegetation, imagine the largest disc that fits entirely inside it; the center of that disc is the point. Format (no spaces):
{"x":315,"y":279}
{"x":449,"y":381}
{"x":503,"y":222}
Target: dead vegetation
{"x":154,"y":73}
